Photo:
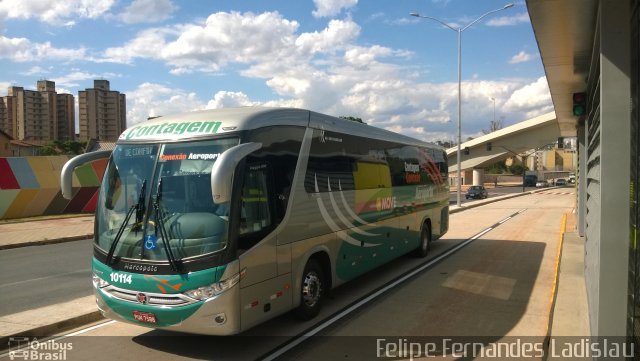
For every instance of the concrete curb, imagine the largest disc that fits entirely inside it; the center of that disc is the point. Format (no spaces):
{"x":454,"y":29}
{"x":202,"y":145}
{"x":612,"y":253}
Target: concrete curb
{"x":45,"y":242}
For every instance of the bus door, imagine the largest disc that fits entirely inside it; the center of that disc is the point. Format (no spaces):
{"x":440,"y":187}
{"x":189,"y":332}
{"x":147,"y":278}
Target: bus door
{"x":262,"y":291}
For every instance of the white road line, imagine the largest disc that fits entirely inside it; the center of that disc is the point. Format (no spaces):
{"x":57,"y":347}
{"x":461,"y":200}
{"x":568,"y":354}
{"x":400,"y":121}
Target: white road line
{"x":88,"y":271}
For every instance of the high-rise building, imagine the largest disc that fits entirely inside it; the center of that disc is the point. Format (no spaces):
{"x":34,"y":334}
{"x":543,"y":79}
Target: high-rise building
{"x":102,"y":112}
{"x":66,"y":117}
{"x":7,"y":118}
{"x":39,"y":115}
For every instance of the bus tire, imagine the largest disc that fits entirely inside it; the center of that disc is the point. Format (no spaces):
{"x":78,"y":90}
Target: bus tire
{"x":311,"y":290}
{"x":425,"y":241}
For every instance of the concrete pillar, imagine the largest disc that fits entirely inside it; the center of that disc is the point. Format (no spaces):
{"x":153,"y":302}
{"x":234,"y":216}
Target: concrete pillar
{"x":478,"y":177}
{"x":467,"y":176}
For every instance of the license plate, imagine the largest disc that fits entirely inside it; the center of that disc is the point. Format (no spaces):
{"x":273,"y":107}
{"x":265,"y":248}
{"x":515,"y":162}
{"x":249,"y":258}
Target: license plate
{"x":146,"y":317}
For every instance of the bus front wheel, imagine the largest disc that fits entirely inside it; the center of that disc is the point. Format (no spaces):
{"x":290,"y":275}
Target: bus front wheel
{"x":425,"y":240}
{"x":311,"y":290}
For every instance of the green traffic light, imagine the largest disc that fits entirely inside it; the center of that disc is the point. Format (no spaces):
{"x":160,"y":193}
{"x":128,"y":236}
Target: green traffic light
{"x":579,"y":109}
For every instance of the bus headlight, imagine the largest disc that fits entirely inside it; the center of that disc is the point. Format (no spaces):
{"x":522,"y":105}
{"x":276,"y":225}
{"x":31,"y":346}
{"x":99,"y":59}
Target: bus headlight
{"x":99,"y":282}
{"x":206,"y":292}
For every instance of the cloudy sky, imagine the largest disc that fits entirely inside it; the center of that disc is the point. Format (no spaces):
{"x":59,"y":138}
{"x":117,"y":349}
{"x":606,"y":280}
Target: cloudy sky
{"x":367,"y":59}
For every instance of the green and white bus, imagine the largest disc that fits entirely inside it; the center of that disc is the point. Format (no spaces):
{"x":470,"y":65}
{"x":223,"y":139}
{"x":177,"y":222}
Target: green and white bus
{"x":213,"y":221}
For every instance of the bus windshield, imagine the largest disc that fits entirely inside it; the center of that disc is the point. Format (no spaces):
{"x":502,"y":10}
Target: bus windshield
{"x":157,"y":193}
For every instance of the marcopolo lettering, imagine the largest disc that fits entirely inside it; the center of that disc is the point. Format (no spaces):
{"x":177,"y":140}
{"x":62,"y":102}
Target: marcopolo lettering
{"x":173,"y":128}
{"x":140,"y":268}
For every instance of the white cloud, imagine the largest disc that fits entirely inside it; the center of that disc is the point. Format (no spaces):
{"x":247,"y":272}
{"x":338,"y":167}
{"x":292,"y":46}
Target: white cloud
{"x":23,"y":50}
{"x":54,"y":12}
{"x":222,"y":39}
{"x":147,"y":43}
{"x":65,"y":91}
{"x":72,"y":79}
{"x":225,"y":99}
{"x":35,"y":70}
{"x":521,"y":57}
{"x":331,"y":7}
{"x":324,"y":71}
{"x":362,"y":57}
{"x":150,"y":100}
{"x":530,"y":97}
{"x":509,"y":20}
{"x":336,"y":35}
{"x":427,"y":111}
{"x":4,"y":86}
{"x":147,"y":11}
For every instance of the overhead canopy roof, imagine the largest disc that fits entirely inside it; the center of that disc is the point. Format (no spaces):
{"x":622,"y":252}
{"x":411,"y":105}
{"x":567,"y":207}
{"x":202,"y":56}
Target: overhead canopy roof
{"x":564,"y":31}
{"x":506,"y":142}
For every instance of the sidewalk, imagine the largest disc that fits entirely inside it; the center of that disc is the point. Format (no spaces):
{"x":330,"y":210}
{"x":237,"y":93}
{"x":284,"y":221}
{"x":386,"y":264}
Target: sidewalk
{"x":32,"y":232}
{"x":569,"y":317}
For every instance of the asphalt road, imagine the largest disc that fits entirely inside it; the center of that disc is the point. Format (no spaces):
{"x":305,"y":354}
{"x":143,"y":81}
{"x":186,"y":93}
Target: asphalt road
{"x":493,"y":192}
{"x":37,"y":276}
{"x":498,"y":285}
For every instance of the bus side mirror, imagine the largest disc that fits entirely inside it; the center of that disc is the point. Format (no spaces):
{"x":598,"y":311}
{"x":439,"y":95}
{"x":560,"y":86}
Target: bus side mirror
{"x":66,"y":176}
{"x":224,"y":167}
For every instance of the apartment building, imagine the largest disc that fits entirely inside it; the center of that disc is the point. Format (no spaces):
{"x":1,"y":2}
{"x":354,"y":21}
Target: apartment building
{"x":102,"y":112}
{"x":40,"y":115}
{"x":66,"y":117}
{"x":6,"y":116}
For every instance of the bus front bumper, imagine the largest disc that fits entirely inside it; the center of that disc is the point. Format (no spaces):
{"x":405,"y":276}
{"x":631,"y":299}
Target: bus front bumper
{"x":219,"y":315}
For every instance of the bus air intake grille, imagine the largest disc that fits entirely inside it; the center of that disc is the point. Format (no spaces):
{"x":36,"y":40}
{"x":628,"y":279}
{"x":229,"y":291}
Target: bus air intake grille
{"x":152,"y":299}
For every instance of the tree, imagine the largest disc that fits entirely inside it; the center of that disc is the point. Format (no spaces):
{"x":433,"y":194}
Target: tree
{"x":496,"y":168}
{"x":518,"y":169}
{"x":494,"y":125}
{"x":444,"y":143}
{"x":353,"y":119}
{"x":68,"y":147}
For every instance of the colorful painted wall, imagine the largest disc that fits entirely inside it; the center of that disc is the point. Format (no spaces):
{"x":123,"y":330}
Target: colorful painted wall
{"x":30,"y":186}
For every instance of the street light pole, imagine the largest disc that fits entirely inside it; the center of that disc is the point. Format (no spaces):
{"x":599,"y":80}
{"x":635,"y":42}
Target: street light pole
{"x":494,"y":111}
{"x":459,"y":31}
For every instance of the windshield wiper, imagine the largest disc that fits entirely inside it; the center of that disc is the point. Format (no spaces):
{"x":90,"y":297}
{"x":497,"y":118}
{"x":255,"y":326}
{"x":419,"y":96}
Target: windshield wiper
{"x":139,"y":208}
{"x":163,"y":231}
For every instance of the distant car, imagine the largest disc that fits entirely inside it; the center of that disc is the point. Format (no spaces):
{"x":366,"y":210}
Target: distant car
{"x":561,"y":182}
{"x":542,"y":184}
{"x":572,"y":179}
{"x":476,"y":192}
{"x":530,"y":180}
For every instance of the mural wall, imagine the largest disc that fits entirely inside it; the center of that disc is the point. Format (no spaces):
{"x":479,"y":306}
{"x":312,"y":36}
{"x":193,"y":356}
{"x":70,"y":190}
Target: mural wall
{"x":30,"y":186}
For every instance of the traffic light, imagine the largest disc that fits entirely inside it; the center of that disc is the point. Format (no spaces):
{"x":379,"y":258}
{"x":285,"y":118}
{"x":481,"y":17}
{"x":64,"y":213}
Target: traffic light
{"x":466,"y":150}
{"x":488,"y":146}
{"x":579,"y":104}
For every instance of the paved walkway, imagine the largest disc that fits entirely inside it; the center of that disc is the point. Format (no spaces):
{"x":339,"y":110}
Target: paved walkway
{"x":29,"y":232}
{"x":569,"y":318}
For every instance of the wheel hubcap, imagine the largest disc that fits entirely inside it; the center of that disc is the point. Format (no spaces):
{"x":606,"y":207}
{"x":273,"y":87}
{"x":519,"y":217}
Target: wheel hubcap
{"x":311,"y":288}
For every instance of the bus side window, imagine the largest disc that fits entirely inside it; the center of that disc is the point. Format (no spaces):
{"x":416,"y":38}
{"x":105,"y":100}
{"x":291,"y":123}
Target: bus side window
{"x":255,"y":207}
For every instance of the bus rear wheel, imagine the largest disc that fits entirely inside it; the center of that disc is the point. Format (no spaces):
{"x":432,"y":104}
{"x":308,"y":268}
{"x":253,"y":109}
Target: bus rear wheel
{"x":311,"y":290}
{"x":425,"y":241}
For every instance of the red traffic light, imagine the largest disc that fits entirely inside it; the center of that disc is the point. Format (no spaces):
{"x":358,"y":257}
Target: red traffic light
{"x":579,"y":98}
